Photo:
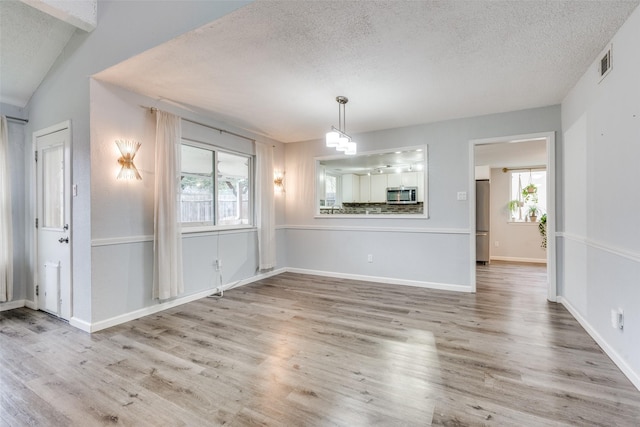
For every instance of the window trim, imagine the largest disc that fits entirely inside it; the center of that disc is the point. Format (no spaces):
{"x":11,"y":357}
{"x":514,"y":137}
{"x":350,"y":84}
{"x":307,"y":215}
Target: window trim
{"x":201,"y":227}
{"x":522,"y":171}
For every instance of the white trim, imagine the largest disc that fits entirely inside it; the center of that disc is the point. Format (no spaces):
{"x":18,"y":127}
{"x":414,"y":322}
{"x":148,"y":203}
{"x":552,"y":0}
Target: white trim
{"x":161,"y":306}
{"x":11,"y":305}
{"x":31,"y":304}
{"x":109,"y":241}
{"x":376,"y":229}
{"x":633,"y":376}
{"x":386,"y":280}
{"x":120,"y":240}
{"x":633,"y":256}
{"x":80,"y":324}
{"x":550,"y":138}
{"x":126,"y":317}
{"x":518,"y":259}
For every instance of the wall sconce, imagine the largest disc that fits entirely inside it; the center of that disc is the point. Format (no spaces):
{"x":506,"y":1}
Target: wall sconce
{"x":278,"y":181}
{"x":128,"y":150}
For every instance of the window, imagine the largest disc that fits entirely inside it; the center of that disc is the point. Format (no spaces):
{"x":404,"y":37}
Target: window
{"x":528,"y":200}
{"x":330,"y":189}
{"x":208,"y":200}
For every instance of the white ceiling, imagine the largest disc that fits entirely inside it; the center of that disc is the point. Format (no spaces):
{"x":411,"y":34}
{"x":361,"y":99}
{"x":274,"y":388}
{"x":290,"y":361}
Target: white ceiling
{"x":275,"y":67}
{"x":33,"y":33}
{"x":30,"y":42}
{"x":512,"y":154}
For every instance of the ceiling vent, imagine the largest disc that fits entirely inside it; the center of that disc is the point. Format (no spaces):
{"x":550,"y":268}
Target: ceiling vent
{"x":604,"y":65}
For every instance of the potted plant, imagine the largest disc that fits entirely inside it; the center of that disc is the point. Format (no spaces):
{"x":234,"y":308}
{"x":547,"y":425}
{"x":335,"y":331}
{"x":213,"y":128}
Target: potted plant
{"x":542,"y":227}
{"x":533,"y":212}
{"x":530,"y":193}
{"x":513,"y":207}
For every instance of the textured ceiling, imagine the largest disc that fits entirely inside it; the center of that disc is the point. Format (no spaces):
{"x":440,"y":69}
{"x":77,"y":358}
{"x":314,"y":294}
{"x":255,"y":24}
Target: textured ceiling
{"x":30,"y":42}
{"x":275,"y":67}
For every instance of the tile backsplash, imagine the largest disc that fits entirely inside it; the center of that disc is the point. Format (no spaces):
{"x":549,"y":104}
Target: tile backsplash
{"x":375,"y":208}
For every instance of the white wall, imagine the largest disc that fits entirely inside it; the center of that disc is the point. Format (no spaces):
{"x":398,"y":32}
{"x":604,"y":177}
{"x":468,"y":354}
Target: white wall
{"x":517,"y":241}
{"x":600,"y":241}
{"x":429,"y":252}
{"x":124,"y":29}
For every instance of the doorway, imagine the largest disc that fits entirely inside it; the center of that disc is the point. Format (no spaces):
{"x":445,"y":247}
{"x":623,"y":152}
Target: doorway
{"x":548,"y":141}
{"x":52,"y":188}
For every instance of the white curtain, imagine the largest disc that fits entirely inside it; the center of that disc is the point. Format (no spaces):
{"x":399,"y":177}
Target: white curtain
{"x":167,"y":241}
{"x":265,"y":208}
{"x":6,"y":234}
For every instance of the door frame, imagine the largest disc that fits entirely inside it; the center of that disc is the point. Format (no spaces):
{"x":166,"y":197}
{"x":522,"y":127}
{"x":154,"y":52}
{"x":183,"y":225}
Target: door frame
{"x":550,"y":137}
{"x":66,"y":127}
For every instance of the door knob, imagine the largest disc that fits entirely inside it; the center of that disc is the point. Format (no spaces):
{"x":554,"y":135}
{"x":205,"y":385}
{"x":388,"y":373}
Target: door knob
{"x":63,"y":240}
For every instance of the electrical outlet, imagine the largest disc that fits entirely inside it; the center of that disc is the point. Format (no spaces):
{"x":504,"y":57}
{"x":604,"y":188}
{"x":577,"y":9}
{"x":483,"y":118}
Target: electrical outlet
{"x":370,"y":258}
{"x":462,"y":195}
{"x":617,"y":318}
{"x":218,"y":264}
{"x":497,"y":244}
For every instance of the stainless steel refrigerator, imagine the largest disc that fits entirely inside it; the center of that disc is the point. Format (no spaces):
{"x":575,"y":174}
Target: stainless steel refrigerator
{"x":482,"y":221}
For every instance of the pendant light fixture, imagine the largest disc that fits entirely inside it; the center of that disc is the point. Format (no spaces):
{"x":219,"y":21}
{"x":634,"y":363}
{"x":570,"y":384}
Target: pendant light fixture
{"x":338,"y":138}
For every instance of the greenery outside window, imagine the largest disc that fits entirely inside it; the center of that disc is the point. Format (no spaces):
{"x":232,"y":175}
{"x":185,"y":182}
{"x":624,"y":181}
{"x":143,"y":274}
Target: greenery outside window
{"x":220,"y":199}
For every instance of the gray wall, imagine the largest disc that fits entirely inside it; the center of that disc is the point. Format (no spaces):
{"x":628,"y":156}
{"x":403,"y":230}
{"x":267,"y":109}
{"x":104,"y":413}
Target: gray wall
{"x":124,"y":29}
{"x":600,"y":237}
{"x":19,"y":154}
{"x":122,"y":211}
{"x":433,"y":251}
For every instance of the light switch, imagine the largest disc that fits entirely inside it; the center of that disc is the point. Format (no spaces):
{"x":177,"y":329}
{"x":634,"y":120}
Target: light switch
{"x":462,"y":195}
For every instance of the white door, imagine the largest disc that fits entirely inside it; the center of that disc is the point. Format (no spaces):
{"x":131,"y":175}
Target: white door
{"x":53,"y":214}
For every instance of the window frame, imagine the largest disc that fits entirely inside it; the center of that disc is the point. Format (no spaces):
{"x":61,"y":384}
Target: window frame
{"x":523,"y":171}
{"x":196,"y":227}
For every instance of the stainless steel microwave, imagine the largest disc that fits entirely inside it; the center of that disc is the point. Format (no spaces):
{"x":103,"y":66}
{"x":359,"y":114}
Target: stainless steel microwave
{"x":402,"y":195}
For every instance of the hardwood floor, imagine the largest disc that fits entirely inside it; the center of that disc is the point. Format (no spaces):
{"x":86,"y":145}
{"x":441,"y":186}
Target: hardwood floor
{"x":317,"y":351}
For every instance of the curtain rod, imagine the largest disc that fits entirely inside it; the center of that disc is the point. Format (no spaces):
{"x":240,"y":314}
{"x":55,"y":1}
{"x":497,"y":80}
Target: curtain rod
{"x":528,"y":168}
{"x":154,"y":109}
{"x":17,"y":119}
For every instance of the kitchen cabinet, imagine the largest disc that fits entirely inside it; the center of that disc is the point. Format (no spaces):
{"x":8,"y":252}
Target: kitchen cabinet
{"x":379,"y":188}
{"x":365,"y":189}
{"x":408,"y":179}
{"x":404,"y":179}
{"x":350,"y":188}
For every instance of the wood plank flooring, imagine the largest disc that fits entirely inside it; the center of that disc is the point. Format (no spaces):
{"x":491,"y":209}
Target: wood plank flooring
{"x":296,"y":350}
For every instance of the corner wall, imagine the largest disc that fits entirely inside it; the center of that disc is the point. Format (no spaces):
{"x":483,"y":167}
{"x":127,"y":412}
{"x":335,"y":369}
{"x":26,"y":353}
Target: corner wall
{"x":600,"y":242}
{"x":122,"y":212}
{"x":431,"y":252}
{"x":125,"y":28}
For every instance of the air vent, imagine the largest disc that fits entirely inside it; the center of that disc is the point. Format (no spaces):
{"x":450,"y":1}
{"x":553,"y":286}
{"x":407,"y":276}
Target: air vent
{"x":604,"y":65}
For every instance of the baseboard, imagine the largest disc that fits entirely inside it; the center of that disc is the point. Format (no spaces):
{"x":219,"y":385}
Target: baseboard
{"x":633,"y":376}
{"x":30,"y":304}
{"x":11,"y":305}
{"x":389,"y":280}
{"x":146,"y":311}
{"x":518,"y":259}
{"x":80,"y":324}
